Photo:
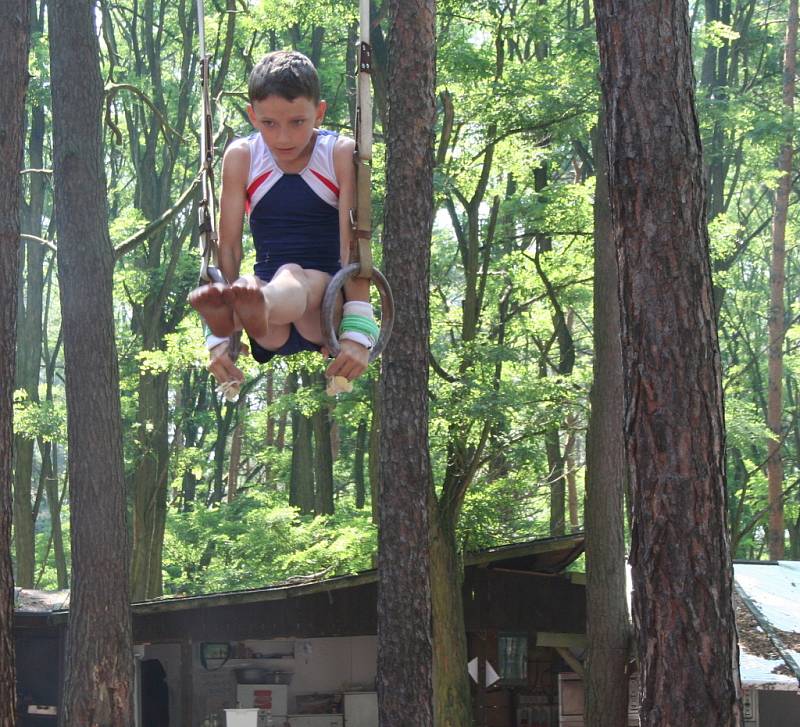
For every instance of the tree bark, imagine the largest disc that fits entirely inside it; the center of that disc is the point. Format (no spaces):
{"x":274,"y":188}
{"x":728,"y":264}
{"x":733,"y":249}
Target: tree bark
{"x":405,"y":692}
{"x":674,"y":424}
{"x":99,"y":669}
{"x":14,"y":35}
{"x":604,"y":514}
{"x":777,"y":313}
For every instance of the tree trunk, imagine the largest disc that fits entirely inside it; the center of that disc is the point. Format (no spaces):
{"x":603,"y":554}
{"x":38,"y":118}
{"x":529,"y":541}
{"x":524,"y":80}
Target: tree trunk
{"x":323,"y":457}
{"x":674,"y":424}
{"x":301,"y":480}
{"x":604,"y":513}
{"x":50,"y":476}
{"x":29,"y":352}
{"x":14,"y":34}
{"x":452,"y":703}
{"x":99,"y":668}
{"x":404,"y":597}
{"x":777,"y":314}
{"x":149,"y":487}
{"x":236,"y":448}
{"x":358,"y":464}
{"x":374,"y":464}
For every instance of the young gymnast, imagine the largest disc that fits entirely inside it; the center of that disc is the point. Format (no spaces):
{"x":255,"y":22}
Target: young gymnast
{"x":295,"y":182}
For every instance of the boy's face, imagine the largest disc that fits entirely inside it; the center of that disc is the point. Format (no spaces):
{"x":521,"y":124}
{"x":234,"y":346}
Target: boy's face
{"x":287,"y":127}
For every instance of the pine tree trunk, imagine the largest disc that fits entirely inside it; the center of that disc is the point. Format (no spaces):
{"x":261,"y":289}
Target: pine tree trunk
{"x":13,"y":82}
{"x":99,"y":668}
{"x":674,"y":424}
{"x":607,"y":626}
{"x":777,"y":313}
{"x":404,"y":597}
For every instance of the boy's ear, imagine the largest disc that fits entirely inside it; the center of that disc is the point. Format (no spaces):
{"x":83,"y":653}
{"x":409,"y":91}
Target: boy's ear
{"x":251,"y":114}
{"x":322,"y":107}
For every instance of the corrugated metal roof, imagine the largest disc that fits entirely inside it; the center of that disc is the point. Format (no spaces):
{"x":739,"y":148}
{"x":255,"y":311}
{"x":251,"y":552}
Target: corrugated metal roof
{"x":769,"y":639}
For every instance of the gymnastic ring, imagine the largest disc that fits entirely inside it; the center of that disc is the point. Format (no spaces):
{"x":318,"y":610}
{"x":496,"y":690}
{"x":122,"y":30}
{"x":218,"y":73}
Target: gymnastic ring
{"x":329,"y":306}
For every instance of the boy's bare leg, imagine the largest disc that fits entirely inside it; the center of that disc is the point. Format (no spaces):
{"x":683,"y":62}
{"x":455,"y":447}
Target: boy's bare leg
{"x":209,"y":301}
{"x":265,"y":310}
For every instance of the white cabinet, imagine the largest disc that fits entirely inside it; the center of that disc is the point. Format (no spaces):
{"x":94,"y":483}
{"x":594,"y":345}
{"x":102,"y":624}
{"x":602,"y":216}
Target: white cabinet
{"x":315,"y":720}
{"x":361,"y":709}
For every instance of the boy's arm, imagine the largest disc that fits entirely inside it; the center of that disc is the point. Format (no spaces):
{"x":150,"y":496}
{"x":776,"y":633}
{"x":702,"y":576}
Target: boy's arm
{"x":235,"y":170}
{"x":355,"y":288}
{"x":353,"y":358}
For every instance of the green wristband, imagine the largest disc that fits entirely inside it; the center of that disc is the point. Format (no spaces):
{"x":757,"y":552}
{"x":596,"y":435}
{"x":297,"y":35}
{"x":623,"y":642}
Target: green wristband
{"x":359,"y":324}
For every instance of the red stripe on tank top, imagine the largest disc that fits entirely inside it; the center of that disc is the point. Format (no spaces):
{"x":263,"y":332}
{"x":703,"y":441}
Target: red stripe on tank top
{"x":327,"y":182}
{"x":254,"y":185}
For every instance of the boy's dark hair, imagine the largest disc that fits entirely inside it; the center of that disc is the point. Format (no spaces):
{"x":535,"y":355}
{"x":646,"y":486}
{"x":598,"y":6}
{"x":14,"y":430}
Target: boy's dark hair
{"x":287,"y":74}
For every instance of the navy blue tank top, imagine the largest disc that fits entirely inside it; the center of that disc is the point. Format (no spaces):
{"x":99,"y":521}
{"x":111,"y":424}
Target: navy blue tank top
{"x":292,"y":224}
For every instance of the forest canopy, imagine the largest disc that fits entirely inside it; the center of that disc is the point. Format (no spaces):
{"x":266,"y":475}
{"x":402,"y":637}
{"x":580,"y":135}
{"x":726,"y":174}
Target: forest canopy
{"x":235,"y":494}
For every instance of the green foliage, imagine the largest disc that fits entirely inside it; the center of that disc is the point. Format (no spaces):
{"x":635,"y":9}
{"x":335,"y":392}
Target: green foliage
{"x":522,"y":83}
{"x":258,"y":540}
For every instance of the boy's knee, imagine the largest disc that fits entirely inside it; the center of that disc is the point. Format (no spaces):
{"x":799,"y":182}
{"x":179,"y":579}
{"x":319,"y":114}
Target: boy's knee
{"x":292,"y":269}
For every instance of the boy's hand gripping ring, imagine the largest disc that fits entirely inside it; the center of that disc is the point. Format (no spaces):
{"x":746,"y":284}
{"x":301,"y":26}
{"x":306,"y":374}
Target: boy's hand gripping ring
{"x":329,"y":306}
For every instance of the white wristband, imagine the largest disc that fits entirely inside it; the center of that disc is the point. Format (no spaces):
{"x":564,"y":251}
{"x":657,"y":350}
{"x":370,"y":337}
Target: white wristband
{"x":213,"y":341}
{"x":357,"y":337}
{"x":359,"y":308}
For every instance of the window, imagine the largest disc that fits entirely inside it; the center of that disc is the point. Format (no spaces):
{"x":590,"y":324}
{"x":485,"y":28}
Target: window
{"x":512,"y":657}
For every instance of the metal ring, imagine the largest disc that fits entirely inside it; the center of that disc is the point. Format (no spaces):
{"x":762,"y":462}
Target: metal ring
{"x":329,"y":305}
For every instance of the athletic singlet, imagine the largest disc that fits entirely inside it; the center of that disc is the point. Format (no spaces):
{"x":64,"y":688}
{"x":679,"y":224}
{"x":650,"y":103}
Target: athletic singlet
{"x":294,"y":218}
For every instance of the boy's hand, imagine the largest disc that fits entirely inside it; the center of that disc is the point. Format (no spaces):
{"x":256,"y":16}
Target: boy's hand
{"x":351,"y":362}
{"x":222,"y":367}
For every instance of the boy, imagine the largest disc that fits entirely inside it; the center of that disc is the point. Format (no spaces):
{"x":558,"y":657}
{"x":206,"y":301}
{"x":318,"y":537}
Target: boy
{"x":296,"y":183}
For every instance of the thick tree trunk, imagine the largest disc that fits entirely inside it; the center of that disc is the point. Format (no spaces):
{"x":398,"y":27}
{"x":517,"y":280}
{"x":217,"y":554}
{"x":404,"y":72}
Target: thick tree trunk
{"x":452,"y":703}
{"x":777,"y":313}
{"x":13,"y":82}
{"x":404,"y":680}
{"x":604,"y":514}
{"x":99,"y":669}
{"x":674,"y":424}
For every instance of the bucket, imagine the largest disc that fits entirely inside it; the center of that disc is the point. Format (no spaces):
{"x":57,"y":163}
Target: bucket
{"x":241,"y":717}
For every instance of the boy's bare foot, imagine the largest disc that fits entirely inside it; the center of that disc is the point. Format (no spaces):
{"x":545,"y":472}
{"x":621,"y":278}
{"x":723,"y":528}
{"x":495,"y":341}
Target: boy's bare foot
{"x":209,"y":301}
{"x":246,"y":296}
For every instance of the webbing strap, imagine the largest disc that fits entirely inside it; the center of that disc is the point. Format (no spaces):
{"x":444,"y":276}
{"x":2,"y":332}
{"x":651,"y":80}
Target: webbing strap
{"x":360,"y":249}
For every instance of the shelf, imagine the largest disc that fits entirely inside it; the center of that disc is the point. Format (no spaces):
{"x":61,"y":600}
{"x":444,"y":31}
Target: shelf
{"x":260,"y":661}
